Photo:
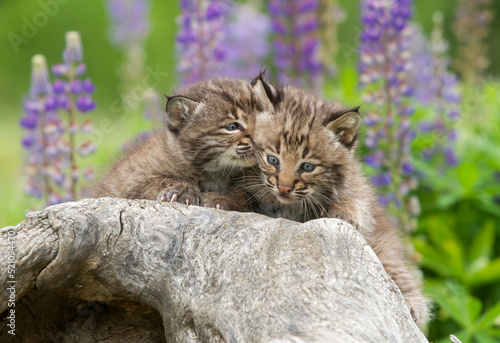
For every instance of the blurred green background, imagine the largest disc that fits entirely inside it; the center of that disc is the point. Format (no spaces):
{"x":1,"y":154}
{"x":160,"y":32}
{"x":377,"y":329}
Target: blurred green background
{"x":455,"y":241}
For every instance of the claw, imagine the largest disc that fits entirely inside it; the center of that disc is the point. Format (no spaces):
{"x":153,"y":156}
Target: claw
{"x":187,"y":201}
{"x":174,"y":198}
{"x":163,"y":197}
{"x":217,"y":206}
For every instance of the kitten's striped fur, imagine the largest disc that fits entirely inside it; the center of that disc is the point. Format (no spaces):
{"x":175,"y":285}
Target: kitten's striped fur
{"x":304,"y":128}
{"x":195,"y":158}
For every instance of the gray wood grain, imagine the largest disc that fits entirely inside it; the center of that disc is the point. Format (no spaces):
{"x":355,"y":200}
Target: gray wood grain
{"x":213,"y":276}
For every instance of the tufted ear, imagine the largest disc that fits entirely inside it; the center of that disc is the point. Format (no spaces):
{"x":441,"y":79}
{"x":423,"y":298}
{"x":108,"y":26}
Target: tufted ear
{"x":178,"y":109}
{"x":346,"y":126}
{"x":268,"y":94}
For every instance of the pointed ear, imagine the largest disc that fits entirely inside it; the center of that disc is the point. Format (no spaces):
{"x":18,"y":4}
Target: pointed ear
{"x":346,"y":126}
{"x":268,"y":95}
{"x":178,"y":109}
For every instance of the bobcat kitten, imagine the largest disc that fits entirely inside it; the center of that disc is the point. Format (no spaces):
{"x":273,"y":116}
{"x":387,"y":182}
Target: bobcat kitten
{"x":308,"y":170}
{"x":205,"y":145}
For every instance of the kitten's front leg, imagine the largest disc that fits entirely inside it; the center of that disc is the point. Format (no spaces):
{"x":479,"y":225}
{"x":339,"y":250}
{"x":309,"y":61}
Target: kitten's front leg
{"x":231,"y":201}
{"x":343,"y":215}
{"x":179,"y":191}
{"x":390,"y":252}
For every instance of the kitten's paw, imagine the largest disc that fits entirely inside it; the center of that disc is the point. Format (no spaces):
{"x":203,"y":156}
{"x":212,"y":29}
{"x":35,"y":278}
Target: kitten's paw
{"x":343,"y":218}
{"x":181,"y":194}
{"x":215,"y":200}
{"x":419,"y":310}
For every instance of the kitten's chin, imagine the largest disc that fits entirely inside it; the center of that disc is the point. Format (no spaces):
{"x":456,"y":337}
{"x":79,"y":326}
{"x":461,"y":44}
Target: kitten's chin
{"x":286,"y":199}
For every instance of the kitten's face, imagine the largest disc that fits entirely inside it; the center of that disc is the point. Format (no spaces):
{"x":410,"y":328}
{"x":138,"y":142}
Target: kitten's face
{"x":303,"y":148}
{"x":214,"y":121}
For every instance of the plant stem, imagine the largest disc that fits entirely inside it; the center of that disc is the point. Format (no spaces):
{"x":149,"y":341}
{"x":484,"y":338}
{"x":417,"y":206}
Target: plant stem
{"x":46,"y":181}
{"x":73,"y":166}
{"x":71,"y":124}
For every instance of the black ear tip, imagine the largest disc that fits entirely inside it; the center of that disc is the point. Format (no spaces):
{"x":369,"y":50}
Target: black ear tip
{"x":262,"y":73}
{"x":354,"y":109}
{"x":260,"y":77}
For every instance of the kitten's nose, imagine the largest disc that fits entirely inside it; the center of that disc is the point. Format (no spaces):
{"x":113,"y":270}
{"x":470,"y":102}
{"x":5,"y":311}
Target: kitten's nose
{"x":246,"y":140}
{"x":284,"y":189}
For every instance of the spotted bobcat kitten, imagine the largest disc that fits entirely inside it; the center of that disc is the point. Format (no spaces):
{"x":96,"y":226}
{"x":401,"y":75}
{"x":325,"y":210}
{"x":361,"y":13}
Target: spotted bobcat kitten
{"x":205,"y":145}
{"x":308,"y":170}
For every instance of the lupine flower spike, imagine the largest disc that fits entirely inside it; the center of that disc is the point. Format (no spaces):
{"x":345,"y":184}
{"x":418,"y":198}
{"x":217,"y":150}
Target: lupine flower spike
{"x":437,"y":88}
{"x":242,"y":58}
{"x":74,"y":96}
{"x":43,"y":139}
{"x":296,"y":43}
{"x":200,"y":42}
{"x":384,"y":69}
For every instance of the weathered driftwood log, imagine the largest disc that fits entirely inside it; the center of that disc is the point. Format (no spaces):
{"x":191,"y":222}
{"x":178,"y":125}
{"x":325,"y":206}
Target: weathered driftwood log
{"x":142,"y":271}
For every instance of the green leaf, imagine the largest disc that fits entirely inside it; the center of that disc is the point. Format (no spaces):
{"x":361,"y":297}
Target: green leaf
{"x":488,"y":318}
{"x":490,"y":273}
{"x":467,"y":175}
{"x":487,"y":204}
{"x":493,"y":332}
{"x":432,"y":259}
{"x":474,"y":306}
{"x":481,"y":246}
{"x":448,"y":199}
{"x":492,"y":189}
{"x":448,"y":246}
{"x":483,"y":337}
{"x":452,"y":299}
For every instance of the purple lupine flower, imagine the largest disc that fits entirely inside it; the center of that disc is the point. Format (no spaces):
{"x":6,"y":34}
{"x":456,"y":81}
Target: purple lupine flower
{"x":382,"y":180}
{"x":296,"y":43}
{"x":73,"y":96}
{"x":451,"y":157}
{"x":200,"y":41}
{"x":41,"y":140}
{"x":436,"y":88}
{"x":245,"y":41}
{"x":85,"y":104}
{"x":59,"y":87}
{"x":384,"y":74}
{"x":52,"y":171}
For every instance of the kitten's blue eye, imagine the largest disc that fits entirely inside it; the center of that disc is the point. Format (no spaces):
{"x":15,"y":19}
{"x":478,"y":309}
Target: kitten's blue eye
{"x":308,"y":167}
{"x":273,"y":160}
{"x":232,"y":127}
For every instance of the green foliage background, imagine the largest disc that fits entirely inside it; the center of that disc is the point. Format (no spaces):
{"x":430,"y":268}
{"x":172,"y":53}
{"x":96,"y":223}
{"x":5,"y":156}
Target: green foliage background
{"x":459,"y":225}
